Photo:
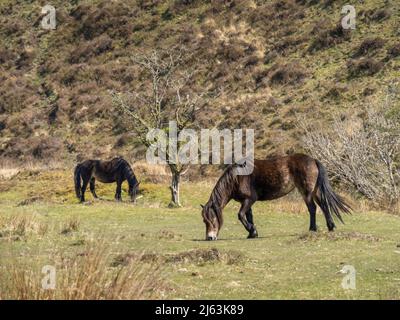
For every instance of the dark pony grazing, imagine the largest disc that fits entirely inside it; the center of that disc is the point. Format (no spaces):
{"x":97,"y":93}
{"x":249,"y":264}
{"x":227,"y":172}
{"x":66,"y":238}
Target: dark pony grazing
{"x":271,"y":179}
{"x":116,"y":170}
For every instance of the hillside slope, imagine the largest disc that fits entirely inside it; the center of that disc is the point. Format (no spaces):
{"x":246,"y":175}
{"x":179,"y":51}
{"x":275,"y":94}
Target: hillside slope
{"x":274,"y":60}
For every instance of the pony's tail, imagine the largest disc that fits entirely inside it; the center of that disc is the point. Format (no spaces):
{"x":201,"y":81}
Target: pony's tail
{"x":77,"y":181}
{"x":331,"y":203}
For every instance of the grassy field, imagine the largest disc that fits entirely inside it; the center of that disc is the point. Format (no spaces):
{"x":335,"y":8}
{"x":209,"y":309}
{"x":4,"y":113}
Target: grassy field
{"x":40,"y":221}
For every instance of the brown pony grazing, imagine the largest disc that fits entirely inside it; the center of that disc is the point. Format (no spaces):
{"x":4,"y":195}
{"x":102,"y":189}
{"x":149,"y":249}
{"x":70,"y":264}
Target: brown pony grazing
{"x":272,"y":179}
{"x":116,"y":170}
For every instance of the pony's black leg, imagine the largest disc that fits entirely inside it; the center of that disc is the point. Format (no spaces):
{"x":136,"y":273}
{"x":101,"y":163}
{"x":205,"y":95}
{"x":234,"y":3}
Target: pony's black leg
{"x":118,"y":191}
{"x":329,"y":221}
{"x":246,"y":206}
{"x":249,"y":216}
{"x":312,"y":209}
{"x":85,"y":182}
{"x":92,"y":187}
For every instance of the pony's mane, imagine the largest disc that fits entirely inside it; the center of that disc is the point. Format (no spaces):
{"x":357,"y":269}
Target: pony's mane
{"x":130,"y":175}
{"x":222,"y":190}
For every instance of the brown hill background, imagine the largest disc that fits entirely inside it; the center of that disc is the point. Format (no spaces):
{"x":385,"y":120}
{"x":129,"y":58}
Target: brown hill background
{"x":273,"y":61}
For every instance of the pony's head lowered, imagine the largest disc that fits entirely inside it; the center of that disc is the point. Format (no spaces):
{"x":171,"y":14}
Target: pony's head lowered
{"x":220,"y":196}
{"x":133,"y":189}
{"x":212,"y":217}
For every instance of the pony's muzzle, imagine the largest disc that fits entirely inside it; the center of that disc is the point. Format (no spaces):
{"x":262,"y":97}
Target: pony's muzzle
{"x":211,"y":238}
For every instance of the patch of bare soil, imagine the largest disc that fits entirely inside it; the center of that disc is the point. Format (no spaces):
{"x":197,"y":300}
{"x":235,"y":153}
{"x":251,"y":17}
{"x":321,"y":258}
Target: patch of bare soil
{"x":196,"y":256}
{"x":335,"y":236}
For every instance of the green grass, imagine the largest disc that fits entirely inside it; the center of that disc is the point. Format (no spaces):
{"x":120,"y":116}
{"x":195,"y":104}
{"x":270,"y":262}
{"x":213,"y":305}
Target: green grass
{"x":286,"y":262}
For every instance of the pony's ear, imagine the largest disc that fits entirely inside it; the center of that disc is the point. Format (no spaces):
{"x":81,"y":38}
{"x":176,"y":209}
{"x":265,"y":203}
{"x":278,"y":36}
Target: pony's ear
{"x":202,"y":206}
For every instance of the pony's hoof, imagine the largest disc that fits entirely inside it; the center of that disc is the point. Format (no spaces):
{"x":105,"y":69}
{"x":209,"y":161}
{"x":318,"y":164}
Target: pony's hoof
{"x":253,"y":235}
{"x":331,"y":227}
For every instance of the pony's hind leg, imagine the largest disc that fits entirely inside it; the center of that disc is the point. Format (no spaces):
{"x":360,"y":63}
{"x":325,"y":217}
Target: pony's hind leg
{"x":92,"y":187}
{"x":312,"y":209}
{"x":85,"y":182}
{"x":329,"y":221}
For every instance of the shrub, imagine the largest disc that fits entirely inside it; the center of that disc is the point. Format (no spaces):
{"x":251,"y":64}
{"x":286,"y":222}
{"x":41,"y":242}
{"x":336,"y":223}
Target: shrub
{"x":336,"y":91}
{"x":326,"y":37}
{"x":368,"y":46}
{"x":90,"y":49}
{"x":376,"y":15}
{"x":362,"y":152}
{"x":363,"y":66}
{"x":283,"y":74}
{"x":394,"y":51}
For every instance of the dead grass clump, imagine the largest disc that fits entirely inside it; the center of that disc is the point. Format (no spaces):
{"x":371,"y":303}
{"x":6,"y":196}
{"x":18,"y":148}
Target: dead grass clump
{"x":336,"y":236}
{"x":169,"y":235}
{"x":196,"y":256}
{"x":199,"y":256}
{"x":17,"y":227}
{"x":375,"y":15}
{"x":394,"y":51}
{"x":369,"y":46}
{"x":109,"y":18}
{"x":29,"y":201}
{"x":336,"y":91}
{"x":286,"y":74}
{"x":328,"y":37}
{"x":85,"y":277}
{"x":70,"y":226}
{"x":363,"y":66}
{"x":90,"y":49}
{"x":151,"y":173}
{"x":41,"y":147}
{"x":288,"y":44}
{"x":8,"y":173}
{"x":127,"y":258}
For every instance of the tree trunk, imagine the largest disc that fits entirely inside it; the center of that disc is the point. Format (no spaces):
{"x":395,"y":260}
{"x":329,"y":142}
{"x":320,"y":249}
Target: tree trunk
{"x":176,"y":175}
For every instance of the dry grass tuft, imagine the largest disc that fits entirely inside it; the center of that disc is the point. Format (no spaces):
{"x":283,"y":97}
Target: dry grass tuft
{"x":363,"y":66}
{"x":16,"y":227}
{"x":151,"y":173}
{"x":394,"y":51}
{"x":85,"y":277}
{"x":286,"y":74}
{"x":369,"y":46}
{"x":29,"y":201}
{"x":8,"y":173}
{"x":70,"y":226}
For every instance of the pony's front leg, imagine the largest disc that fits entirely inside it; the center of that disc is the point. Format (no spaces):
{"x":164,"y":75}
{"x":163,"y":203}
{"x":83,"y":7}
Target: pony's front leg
{"x":253,"y":232}
{"x":118,"y":191}
{"x":243,"y":214}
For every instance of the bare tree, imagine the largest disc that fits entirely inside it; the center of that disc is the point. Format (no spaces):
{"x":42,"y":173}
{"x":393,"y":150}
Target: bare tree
{"x":363,"y":152}
{"x":167,"y":95}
